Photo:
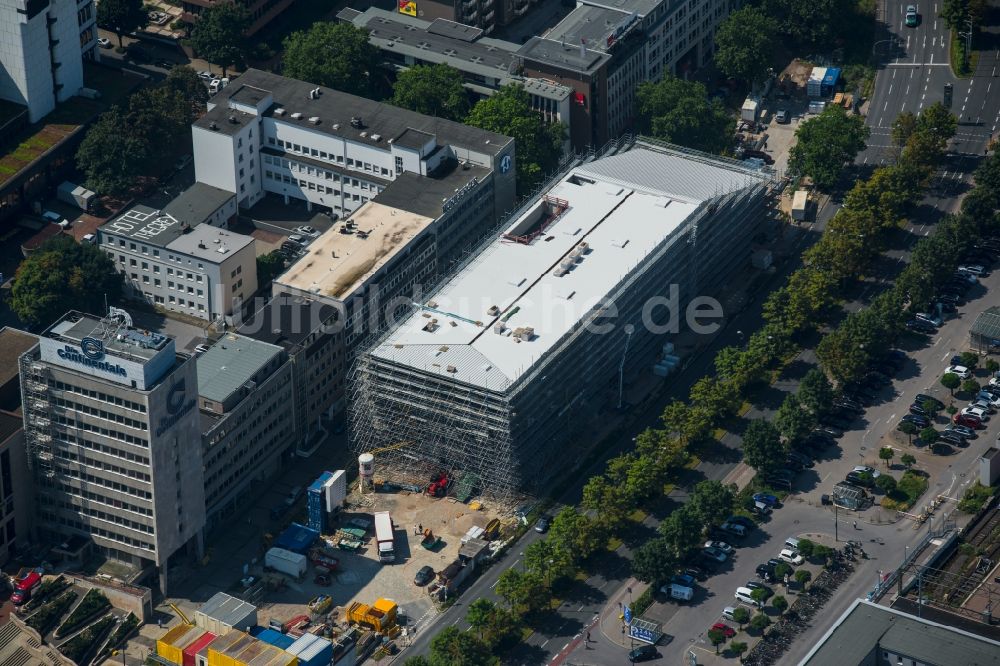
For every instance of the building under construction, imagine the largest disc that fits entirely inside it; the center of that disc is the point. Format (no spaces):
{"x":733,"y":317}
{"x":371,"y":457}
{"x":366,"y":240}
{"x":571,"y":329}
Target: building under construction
{"x":516,"y":356}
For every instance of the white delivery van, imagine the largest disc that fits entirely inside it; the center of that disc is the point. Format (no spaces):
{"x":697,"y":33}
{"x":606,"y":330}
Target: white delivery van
{"x":744,"y":595}
{"x":680,"y":592}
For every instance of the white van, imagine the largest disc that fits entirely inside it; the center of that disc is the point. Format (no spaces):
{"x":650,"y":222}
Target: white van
{"x":679,"y":592}
{"x":293,"y":495}
{"x":744,"y":595}
{"x":792,"y":542}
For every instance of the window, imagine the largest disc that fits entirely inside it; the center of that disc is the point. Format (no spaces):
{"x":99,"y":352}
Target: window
{"x":145,"y":266}
{"x":132,"y":262}
{"x":157,"y":282}
{"x":270,"y":140}
{"x":131,"y":246}
{"x":350,"y":162}
{"x":241,"y":171}
{"x":145,"y":278}
{"x":156,"y":268}
{"x":170,"y":284}
{"x":201,"y":293}
{"x":399,"y":165}
{"x":314,"y":152}
{"x":281,"y":144}
{"x":171,"y":299}
{"x":121,"y":243}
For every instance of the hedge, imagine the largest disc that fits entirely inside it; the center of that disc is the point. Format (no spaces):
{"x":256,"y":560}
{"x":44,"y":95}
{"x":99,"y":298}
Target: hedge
{"x":49,"y":614}
{"x":77,"y":648}
{"x":93,"y":603}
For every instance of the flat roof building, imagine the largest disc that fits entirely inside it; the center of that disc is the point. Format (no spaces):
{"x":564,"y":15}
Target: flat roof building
{"x":486,"y":375}
{"x":271,"y":134}
{"x":16,"y":489}
{"x":245,"y":398}
{"x":113,"y":440}
{"x":869,"y":634}
{"x":197,"y":269}
{"x":486,"y":64}
{"x":483,"y":14}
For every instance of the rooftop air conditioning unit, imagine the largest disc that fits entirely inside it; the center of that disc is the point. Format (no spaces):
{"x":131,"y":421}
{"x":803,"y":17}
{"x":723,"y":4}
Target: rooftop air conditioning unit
{"x":314,"y":120}
{"x":296,"y":116}
{"x":376,"y":137}
{"x":279,"y":112}
{"x":364,"y":135}
{"x":336,"y":126}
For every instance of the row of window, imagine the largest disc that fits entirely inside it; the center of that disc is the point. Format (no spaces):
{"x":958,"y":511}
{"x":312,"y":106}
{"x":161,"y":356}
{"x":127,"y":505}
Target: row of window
{"x":107,"y":483}
{"x":102,"y":465}
{"x":192,"y":277}
{"x":360,"y":165}
{"x":98,"y":395}
{"x":312,"y":187}
{"x":95,"y":530}
{"x":100,"y":413}
{"x":73,"y":440}
{"x":106,"y":432}
{"x":107,"y":501}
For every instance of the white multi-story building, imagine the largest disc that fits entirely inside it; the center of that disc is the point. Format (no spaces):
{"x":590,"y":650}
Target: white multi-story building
{"x":200,"y":270}
{"x":498,"y":373}
{"x":113,"y":438}
{"x":41,"y":51}
{"x":271,"y":134}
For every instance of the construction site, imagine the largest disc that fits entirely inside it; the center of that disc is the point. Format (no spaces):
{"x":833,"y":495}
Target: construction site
{"x":497,"y":375}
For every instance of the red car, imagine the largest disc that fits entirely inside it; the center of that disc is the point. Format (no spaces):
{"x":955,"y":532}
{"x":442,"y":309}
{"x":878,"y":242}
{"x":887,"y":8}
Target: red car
{"x":727,"y":631}
{"x":969,"y":421}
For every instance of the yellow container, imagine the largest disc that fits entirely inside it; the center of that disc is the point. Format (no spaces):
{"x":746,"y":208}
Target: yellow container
{"x":220,"y":649}
{"x":171,"y":645}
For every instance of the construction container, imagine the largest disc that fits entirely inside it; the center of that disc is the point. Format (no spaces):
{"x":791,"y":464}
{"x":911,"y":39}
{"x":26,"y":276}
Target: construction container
{"x":800,"y":205}
{"x":196,"y":646}
{"x":239,"y":649}
{"x":275,"y":638}
{"x":223,"y":613}
{"x":750,"y":111}
{"x":379,"y":617}
{"x":814,"y":86}
{"x":171,"y":645}
{"x":316,"y":503}
{"x":336,"y":491}
{"x":312,"y":650}
{"x":297,"y":538}
{"x":285,"y":561}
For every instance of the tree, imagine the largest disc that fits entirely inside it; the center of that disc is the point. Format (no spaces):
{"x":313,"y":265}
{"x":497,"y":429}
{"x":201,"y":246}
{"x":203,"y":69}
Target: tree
{"x":937,"y":121}
{"x":792,"y":421}
{"x":682,"y":530}
{"x":887,"y":453}
{"x":886,"y":483}
{"x":654,"y":560}
{"x":577,"y":533}
{"x":903,"y":128}
{"x":122,"y":17}
{"x":452,"y":647}
{"x":811,"y":24}
{"x":739,"y":647}
{"x":908,"y":460}
{"x":780,"y":604}
{"x":433,"y":90}
{"x":717,"y":637}
{"x":744,"y":44}
{"x":111,"y":155}
{"x":269,"y":266}
{"x":932,"y":407}
{"x":803,"y":576}
{"x":929,"y":435}
{"x":219,"y":34}
{"x":718,"y":398}
{"x":951,"y":381}
{"x":992,"y":366}
{"x":970,"y":386}
{"x":681,"y":112}
{"x":185,"y":81}
{"x":503,"y":626}
{"x":479,"y":614}
{"x":524,"y":591}
{"x":759,"y":595}
{"x":711,"y":502}
{"x":816,"y":391}
{"x":909,"y":429}
{"x":741,"y":616}
{"x":60,"y":276}
{"x":606,"y":499}
{"x":760,"y":622}
{"x":539,"y":145}
{"x":969,"y":359}
{"x":548,"y":560}
{"x":806,"y":548}
{"x":824,"y":144}
{"x":762,"y":447}
{"x":782,"y":569}
{"x":418,"y":660}
{"x":333,"y":54}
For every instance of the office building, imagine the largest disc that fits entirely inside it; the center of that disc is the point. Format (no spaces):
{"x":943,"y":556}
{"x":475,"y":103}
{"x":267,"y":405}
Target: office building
{"x":261,"y":12}
{"x":871,"y":635}
{"x":483,"y":14}
{"x":603,"y":49}
{"x":16,"y":489}
{"x":41,"y":51}
{"x":245,"y":397}
{"x":498,"y":372}
{"x":201,"y":270}
{"x":270,"y":134}
{"x":486,"y":63}
{"x":113,"y":440}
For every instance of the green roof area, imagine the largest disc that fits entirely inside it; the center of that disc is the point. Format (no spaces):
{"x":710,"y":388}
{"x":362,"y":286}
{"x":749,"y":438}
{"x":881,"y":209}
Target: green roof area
{"x":32,"y":142}
{"x":987,"y":324}
{"x":230,"y":363}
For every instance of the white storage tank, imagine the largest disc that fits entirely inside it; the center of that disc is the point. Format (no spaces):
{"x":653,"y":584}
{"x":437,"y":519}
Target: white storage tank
{"x":366,"y":469}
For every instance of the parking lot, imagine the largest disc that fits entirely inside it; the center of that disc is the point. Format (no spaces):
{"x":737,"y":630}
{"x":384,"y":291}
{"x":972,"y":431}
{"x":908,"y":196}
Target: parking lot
{"x":884,"y":533}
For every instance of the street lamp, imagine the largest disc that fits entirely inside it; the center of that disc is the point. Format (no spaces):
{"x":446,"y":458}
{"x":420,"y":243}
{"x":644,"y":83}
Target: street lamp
{"x":629,"y":329}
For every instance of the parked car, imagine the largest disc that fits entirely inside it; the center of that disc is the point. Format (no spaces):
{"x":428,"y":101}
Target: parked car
{"x":424,"y":576}
{"x":953,"y":438}
{"x":968,"y":421}
{"x":714,"y":554}
{"x":929,"y":318}
{"x":791,"y":556}
{"x":984,"y":404}
{"x":720,"y":545}
{"x":783,"y":117}
{"x":918,"y":410}
{"x":964,"y":431}
{"x":542,"y":526}
{"x":747,"y":523}
{"x":104,"y":42}
{"x":960,"y":370}
{"x":978,"y":412}
{"x":643,"y":653}
{"x":921,"y":398}
{"x":973,"y":269}
{"x":758,"y":155}
{"x":306,"y":231}
{"x":765,"y":571}
{"x":694,"y":572}
{"x":917,"y":420}
{"x":778,"y":482}
{"x":912,"y":18}
{"x":860,"y":479}
{"x":766,"y":498}
{"x":942,"y":449}
{"x":682,"y":579}
{"x":805,"y":460}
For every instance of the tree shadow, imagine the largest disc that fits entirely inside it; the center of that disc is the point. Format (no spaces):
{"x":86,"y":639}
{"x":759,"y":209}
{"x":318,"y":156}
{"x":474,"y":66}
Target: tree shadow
{"x":715,"y":451}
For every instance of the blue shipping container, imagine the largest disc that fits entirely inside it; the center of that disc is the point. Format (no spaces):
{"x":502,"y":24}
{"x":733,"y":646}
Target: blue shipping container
{"x":275,"y":638}
{"x":297,"y":538}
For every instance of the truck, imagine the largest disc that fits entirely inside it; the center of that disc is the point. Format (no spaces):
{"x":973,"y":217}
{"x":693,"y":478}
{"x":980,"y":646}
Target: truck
{"x":75,"y":195}
{"x":285,"y":561}
{"x":24,"y":585}
{"x":800,"y":205}
{"x":384,"y":537}
{"x":379,"y":617}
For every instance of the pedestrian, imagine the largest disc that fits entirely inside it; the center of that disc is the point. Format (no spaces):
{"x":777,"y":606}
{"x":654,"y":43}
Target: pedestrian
{"x":420,"y":528}
{"x":855,"y":524}
{"x":588,"y":636}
